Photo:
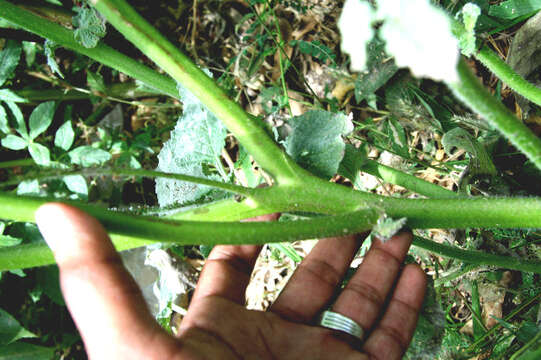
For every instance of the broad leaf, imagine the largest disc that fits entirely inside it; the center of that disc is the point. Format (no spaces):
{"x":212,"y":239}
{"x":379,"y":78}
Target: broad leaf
{"x":9,"y":58}
{"x":195,"y":145}
{"x":90,"y":26}
{"x":513,"y":9}
{"x":88,"y":156}
{"x":11,"y":330}
{"x":95,"y":81}
{"x":480,"y":161}
{"x":316,"y":49}
{"x":64,"y":136}
{"x":13,"y":142}
{"x":41,"y":118}
{"x":40,"y":154}
{"x":25,"y":351}
{"x":316,"y":143}
{"x":76,"y":184}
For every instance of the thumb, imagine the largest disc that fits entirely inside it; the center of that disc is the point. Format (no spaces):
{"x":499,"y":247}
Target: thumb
{"x":105,"y":302}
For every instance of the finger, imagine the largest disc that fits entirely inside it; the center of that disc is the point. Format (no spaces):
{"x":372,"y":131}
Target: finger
{"x":228,"y":268}
{"x":366,"y":292}
{"x":391,"y":337}
{"x":317,"y":278}
{"x":105,"y":302}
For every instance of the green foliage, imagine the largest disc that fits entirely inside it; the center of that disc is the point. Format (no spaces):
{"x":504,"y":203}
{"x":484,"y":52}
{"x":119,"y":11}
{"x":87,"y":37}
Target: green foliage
{"x":316,"y":141}
{"x":380,"y":68}
{"x":64,"y":136}
{"x":11,"y":330}
{"x":49,"y":49}
{"x":86,"y":156}
{"x":316,"y":49}
{"x":89,"y":26}
{"x":25,"y":351}
{"x":480,"y":161}
{"x":467,"y":41}
{"x":194,"y":148}
{"x":512,"y":9}
{"x":386,"y":227}
{"x":9,"y":59}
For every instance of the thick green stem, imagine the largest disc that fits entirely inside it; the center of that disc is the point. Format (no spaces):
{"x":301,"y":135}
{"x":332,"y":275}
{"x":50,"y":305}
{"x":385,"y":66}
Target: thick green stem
{"x":502,"y":70}
{"x":478,"y":257}
{"x":101,"y":52}
{"x":473,"y":94}
{"x":248,"y":130}
{"x":137,"y":230}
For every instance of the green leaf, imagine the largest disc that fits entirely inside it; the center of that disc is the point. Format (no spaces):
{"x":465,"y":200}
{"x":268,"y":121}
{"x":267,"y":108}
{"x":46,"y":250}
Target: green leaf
{"x":513,"y":9}
{"x":41,"y":118}
{"x":30,"y":50}
{"x":6,"y":240}
{"x":194,"y":148}
{"x":315,"y":49}
{"x":90,"y":27}
{"x":11,"y":330}
{"x":95,"y":81}
{"x":9,"y":58}
{"x":316,"y":143}
{"x":20,"y":124}
{"x":4,"y":124}
{"x":48,"y":281}
{"x":64,"y":136}
{"x":25,"y":351}
{"x":40,"y":154}
{"x":480,"y":161}
{"x":387,"y":227}
{"x":8,"y":95}
{"x":88,"y":156}
{"x":379,"y":70}
{"x":76,"y":184}
{"x":49,"y":49}
{"x":14,"y":142}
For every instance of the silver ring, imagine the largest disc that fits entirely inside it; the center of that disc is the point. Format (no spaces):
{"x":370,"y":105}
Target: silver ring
{"x":336,"y":321}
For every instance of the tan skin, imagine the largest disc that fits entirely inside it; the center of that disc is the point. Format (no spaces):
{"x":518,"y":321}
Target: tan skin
{"x":383,"y":296}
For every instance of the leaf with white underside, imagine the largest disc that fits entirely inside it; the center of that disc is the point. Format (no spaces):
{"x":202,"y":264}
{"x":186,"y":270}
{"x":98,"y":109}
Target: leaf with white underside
{"x":195,"y":145}
{"x":88,"y":156}
{"x":14,"y":142}
{"x":387,"y":227}
{"x":40,"y":154}
{"x":316,"y":143}
{"x":64,"y":136}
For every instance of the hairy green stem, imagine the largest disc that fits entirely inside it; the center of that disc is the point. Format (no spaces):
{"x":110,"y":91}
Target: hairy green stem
{"x":102,"y":53}
{"x":473,"y":94}
{"x":139,"y":229}
{"x":478,"y":257}
{"x":509,"y":76}
{"x":248,"y":130}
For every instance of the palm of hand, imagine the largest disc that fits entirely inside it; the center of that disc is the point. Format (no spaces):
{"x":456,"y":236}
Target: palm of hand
{"x":112,"y":318}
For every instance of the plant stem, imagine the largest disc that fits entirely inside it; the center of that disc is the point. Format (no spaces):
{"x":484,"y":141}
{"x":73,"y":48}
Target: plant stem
{"x":502,"y":70}
{"x":235,"y":189}
{"x":473,"y":94}
{"x":136,"y":230}
{"x":478,"y":257}
{"x":101,"y":52}
{"x":15,"y":163}
{"x":410,"y":182}
{"x":246,"y":128}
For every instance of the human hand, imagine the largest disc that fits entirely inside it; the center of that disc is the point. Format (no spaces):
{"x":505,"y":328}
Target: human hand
{"x":114,"y":322}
